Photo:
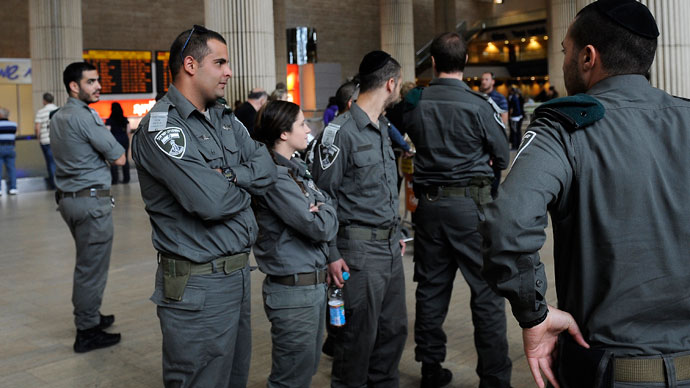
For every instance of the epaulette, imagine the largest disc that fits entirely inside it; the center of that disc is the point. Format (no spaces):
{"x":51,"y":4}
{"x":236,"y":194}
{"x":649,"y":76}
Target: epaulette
{"x":573,"y":112}
{"x":682,"y":98}
{"x":328,"y":134}
{"x":412,"y":98}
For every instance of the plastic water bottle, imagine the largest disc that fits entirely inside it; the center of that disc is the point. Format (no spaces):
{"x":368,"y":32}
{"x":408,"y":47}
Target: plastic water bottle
{"x":336,"y":304}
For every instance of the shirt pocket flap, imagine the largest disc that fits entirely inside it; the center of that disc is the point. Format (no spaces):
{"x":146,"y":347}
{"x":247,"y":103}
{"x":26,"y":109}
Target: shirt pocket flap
{"x":209,"y":150}
{"x":365,"y":158}
{"x":192,"y":300}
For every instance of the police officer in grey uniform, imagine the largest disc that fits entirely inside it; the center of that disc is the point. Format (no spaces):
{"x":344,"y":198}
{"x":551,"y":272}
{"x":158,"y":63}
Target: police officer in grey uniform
{"x":296,"y":221}
{"x":197,"y":167}
{"x":83,"y":147}
{"x":609,"y":163}
{"x":456,"y":131}
{"x":355,"y":165}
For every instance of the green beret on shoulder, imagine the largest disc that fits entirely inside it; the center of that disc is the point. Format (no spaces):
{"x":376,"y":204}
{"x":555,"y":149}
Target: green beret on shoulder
{"x":412,"y":97}
{"x":574,"y":112}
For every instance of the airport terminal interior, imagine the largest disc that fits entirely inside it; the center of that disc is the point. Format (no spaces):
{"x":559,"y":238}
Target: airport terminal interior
{"x":311,"y":47}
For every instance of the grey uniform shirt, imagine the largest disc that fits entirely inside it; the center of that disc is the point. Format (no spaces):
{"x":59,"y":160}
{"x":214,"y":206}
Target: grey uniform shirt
{"x":195,"y":212}
{"x":81,"y":145}
{"x":617,"y":192}
{"x":359,"y":173}
{"x":455,"y":132}
{"x":291,"y":238}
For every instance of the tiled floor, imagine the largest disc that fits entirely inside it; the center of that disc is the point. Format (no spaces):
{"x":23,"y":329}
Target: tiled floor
{"x":37,"y":332}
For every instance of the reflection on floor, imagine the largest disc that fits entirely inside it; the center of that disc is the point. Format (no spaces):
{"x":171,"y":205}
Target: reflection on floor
{"x":37,"y":331}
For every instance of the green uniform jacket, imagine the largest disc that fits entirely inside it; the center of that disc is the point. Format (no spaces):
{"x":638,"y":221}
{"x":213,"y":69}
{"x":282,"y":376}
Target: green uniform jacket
{"x":195,"y":212}
{"x":617,"y":192}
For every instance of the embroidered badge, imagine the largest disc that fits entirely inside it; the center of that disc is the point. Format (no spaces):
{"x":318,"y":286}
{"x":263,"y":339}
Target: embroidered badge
{"x":172,"y":142}
{"x":526,"y":140}
{"x":328,"y":155}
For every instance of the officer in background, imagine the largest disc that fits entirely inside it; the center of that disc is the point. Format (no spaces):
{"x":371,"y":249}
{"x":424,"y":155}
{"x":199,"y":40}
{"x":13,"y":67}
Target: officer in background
{"x":609,"y":163}
{"x":355,"y":165}
{"x":197,"y":167}
{"x":82,"y":147}
{"x":456,"y":131}
{"x":487,"y":87}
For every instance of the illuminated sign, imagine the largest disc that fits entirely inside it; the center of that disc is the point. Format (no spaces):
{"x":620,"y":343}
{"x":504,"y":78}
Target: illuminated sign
{"x":122,"y":72}
{"x":163,"y":77}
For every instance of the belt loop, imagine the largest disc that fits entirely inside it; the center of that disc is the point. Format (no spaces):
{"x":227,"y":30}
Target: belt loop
{"x":214,"y":267}
{"x":158,"y":257}
{"x":295,"y":278}
{"x":670,"y":369}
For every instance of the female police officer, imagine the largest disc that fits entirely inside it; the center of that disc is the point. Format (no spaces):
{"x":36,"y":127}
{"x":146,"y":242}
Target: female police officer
{"x":295,"y":223}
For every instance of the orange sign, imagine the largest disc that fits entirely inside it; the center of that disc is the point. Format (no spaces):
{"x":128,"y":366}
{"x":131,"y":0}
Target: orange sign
{"x":131,"y":108}
{"x":293,"y":83}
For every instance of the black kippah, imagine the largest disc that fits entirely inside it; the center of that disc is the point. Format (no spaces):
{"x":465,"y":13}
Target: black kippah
{"x":373,"y":61}
{"x":631,"y":15}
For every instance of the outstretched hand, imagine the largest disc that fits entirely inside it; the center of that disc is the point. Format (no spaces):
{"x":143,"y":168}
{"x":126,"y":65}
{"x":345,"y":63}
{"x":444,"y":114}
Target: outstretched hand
{"x":540,"y":343}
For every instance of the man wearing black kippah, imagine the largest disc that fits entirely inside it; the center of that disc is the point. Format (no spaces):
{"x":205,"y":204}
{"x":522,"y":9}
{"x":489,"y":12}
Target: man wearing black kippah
{"x":610,"y":164}
{"x":355,"y":164}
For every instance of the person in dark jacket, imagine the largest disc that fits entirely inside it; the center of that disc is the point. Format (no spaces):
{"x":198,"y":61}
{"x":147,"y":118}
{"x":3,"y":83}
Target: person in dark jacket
{"x":119,"y":128}
{"x":296,"y":221}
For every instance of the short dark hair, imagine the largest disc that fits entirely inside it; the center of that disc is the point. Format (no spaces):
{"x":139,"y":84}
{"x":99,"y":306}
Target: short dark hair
{"x":345,"y":92}
{"x":622,"y":51}
{"x":47,"y":97}
{"x":196,"y":46}
{"x":257,"y":94}
{"x":378,"y":78}
{"x":449,"y":51}
{"x":273,"y":119}
{"x":74,"y":72}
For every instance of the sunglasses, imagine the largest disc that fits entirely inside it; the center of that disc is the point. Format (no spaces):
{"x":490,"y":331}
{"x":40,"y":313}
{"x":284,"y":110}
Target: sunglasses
{"x":198,"y":28}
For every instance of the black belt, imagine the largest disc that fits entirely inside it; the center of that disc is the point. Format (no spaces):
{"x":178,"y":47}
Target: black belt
{"x":7,"y":142}
{"x":365,"y":233}
{"x":435,"y":192}
{"x":84,"y":193}
{"x":300,"y":279}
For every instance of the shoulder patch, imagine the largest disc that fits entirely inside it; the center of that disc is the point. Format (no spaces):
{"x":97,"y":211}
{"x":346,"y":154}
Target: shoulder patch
{"x":574,"y":112}
{"x":172,"y":142}
{"x":328,"y":155}
{"x":527,"y":139}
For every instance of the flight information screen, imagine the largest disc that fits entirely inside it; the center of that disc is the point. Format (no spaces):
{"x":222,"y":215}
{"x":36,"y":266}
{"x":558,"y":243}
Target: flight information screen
{"x":162,"y":73}
{"x":122,"y":72}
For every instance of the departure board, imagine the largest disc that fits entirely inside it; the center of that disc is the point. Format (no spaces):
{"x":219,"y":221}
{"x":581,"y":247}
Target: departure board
{"x":162,"y":73}
{"x":122,"y":72}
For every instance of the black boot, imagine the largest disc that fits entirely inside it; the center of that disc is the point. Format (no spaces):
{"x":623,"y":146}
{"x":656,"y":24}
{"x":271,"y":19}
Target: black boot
{"x":94,"y":338}
{"x":106,"y":321}
{"x":433,"y":376}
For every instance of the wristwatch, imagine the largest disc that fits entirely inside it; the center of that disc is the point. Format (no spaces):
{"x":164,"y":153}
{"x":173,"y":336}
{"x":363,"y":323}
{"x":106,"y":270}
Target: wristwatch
{"x":229,"y":174}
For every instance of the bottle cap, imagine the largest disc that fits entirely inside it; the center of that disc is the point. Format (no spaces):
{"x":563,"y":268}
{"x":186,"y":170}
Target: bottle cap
{"x":346,"y":275}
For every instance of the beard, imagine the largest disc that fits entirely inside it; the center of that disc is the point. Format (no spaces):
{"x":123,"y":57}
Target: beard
{"x":574,"y":83}
{"x":86,"y":97}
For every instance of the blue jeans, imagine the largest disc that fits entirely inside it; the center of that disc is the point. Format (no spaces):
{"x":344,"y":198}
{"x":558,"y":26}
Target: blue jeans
{"x":50,"y":163}
{"x":8,"y":156}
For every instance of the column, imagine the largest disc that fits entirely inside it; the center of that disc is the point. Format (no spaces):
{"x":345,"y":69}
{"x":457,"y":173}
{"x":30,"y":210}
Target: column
{"x":55,"y":36}
{"x":397,"y":34}
{"x":247,"y":25}
{"x":444,"y":16}
{"x":670,"y":71}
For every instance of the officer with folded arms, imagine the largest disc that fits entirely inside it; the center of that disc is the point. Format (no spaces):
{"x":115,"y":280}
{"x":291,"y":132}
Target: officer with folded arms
{"x":609,"y":164}
{"x":197,"y":167}
{"x":82,"y":148}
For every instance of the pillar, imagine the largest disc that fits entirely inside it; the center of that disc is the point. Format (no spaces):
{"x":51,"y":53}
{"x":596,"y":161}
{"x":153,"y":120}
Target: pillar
{"x":397,"y":34}
{"x":247,"y":25}
{"x":670,"y":71}
{"x":55,"y":36}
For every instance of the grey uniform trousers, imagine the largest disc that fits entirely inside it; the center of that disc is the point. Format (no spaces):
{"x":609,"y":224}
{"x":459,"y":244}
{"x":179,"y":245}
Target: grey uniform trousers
{"x":368,"y":348}
{"x":446,"y":239}
{"x":207,"y":335}
{"x":297,"y":315}
{"x":91,"y":223}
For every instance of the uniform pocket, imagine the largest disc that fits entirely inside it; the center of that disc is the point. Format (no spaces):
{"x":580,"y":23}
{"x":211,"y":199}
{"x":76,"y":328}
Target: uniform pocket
{"x":368,"y":169}
{"x":192,"y":300}
{"x":101,"y":221}
{"x":289,"y":298}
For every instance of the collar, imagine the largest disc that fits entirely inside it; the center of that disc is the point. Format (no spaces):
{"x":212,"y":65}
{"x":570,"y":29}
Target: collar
{"x":449,"y":82}
{"x":180,"y":102}
{"x":626,"y":84}
{"x":77,"y":102}
{"x":297,"y":166}
{"x":362,"y":118}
